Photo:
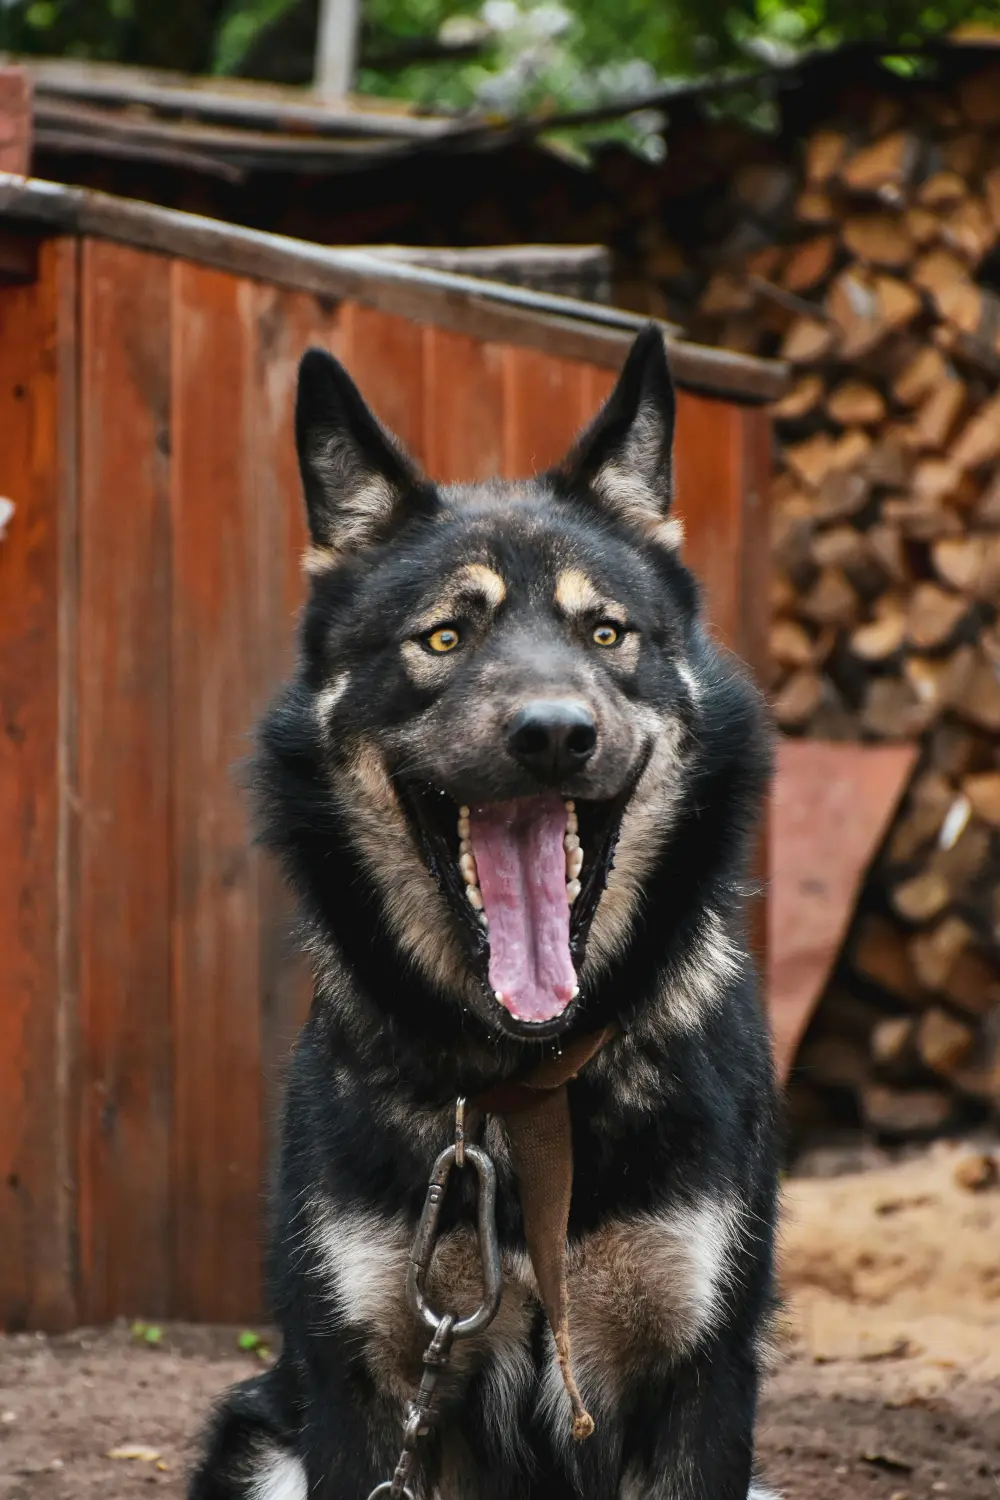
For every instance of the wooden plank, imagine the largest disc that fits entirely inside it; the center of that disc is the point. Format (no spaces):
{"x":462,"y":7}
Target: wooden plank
{"x":216,"y":958}
{"x":124,"y":784}
{"x":15,"y":121}
{"x":35,"y":1284}
{"x":557,"y":325}
{"x":385,"y":356}
{"x":463,"y":407}
{"x":284,"y":324}
{"x":545,"y":405}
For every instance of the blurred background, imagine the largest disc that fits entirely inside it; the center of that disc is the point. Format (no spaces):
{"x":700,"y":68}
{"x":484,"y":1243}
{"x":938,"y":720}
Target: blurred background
{"x":808,"y":199}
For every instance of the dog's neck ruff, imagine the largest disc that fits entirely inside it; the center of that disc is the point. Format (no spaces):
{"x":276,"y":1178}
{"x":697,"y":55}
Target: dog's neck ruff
{"x":535,"y":1111}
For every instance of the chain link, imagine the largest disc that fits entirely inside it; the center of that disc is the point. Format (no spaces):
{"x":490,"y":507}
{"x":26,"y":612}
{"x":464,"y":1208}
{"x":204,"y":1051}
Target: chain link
{"x":447,"y":1328}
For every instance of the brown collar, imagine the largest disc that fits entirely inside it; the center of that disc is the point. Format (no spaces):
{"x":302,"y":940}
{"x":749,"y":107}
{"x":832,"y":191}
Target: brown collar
{"x":535,"y":1111}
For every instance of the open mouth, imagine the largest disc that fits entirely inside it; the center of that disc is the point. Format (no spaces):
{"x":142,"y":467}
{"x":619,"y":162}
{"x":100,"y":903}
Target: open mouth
{"x":524,"y":877}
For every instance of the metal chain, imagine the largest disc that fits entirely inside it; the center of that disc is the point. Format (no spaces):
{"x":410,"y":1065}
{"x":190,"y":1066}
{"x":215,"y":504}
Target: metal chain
{"x":447,"y":1328}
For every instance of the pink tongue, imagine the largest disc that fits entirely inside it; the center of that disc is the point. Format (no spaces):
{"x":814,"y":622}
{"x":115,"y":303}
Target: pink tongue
{"x":521,"y":863}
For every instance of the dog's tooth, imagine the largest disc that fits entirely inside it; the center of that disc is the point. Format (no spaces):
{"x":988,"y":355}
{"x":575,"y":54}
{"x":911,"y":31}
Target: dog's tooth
{"x":574,"y":862}
{"x":475,"y":896}
{"x":484,"y":921}
{"x":463,"y":829}
{"x":572,"y":826}
{"x":571,"y":842}
{"x":570,"y":805}
{"x":498,"y":995}
{"x":464,"y":847}
{"x":572,"y":890}
{"x":467,"y":865}
{"x":576,"y":992}
{"x":463,"y":812}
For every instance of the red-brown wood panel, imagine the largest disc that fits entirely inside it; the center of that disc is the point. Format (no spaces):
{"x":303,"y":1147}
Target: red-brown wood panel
{"x":36,"y":338}
{"x":123,"y":656}
{"x":385,"y":357}
{"x":463,"y":407}
{"x":546,"y":402}
{"x":284,"y":325}
{"x":216,"y":666}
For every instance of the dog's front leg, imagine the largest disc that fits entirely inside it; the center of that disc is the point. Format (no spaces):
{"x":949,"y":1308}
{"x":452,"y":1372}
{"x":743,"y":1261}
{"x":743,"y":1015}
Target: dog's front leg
{"x":691,"y":1435}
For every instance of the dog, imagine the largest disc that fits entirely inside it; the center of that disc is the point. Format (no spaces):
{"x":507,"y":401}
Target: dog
{"x":514,"y":784}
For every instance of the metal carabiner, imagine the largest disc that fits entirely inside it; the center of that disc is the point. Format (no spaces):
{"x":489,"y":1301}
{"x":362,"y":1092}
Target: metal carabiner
{"x":489,"y":1247}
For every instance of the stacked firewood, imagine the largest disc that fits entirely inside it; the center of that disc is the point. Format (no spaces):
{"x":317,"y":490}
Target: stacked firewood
{"x":881,"y":288}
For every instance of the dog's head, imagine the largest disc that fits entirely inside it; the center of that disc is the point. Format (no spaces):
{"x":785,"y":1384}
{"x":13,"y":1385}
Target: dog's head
{"x":503,"y":680}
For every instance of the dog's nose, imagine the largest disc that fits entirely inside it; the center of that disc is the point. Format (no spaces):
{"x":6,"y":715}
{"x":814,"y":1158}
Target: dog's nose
{"x":552,"y":739}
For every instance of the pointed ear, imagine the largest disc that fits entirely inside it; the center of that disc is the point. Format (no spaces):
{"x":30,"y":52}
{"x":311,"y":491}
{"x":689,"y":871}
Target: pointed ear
{"x":625,"y":456}
{"x":358,"y":482}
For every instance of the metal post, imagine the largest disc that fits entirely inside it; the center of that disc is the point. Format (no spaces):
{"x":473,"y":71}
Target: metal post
{"x":336,"y":47}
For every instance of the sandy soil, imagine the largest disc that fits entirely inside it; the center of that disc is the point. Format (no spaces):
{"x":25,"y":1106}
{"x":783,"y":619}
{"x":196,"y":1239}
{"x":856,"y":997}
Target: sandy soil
{"x":886,"y":1382}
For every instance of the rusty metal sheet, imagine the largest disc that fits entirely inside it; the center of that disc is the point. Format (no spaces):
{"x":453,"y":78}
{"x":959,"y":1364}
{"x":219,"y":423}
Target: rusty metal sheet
{"x":831,"y":808}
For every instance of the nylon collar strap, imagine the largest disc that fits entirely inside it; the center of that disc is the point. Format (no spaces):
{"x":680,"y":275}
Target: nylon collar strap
{"x":535,"y":1112}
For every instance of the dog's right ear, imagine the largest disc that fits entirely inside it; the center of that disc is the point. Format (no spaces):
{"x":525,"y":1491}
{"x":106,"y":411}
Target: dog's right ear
{"x":358,"y":482}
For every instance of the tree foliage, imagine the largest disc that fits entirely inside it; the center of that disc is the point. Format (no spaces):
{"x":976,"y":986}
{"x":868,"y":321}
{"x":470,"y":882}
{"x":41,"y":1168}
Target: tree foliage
{"x":541,"y":55}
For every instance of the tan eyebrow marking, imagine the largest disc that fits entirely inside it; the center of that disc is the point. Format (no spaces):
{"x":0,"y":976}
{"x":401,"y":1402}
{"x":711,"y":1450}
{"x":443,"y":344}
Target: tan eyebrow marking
{"x":577,"y":595}
{"x":317,"y":560}
{"x":474,"y":580}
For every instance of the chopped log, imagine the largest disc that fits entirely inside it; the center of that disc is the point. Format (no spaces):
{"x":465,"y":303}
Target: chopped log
{"x":878,"y":239}
{"x":969,"y":230}
{"x":726,"y":292}
{"x":921,"y":376}
{"x":979,"y":441}
{"x":906,"y":1112}
{"x":942,"y":190}
{"x":933,"y":616}
{"x":833,"y":1062}
{"x":812,"y":460}
{"x":972,"y":985}
{"x":879,"y":954}
{"x":987,"y":509}
{"x":892,"y":711}
{"x":808,"y":340}
{"x":831,"y":600}
{"x":898,"y":303}
{"x":938,"y":481}
{"x":921,"y":898}
{"x":923,"y":225}
{"x":893,"y":1046}
{"x":840,"y":547}
{"x":815,"y":206}
{"x":964,"y":859}
{"x":885,"y":543}
{"x":922,"y":520}
{"x":967,"y":348}
{"x":933,"y":954}
{"x":943,"y":1041}
{"x":881,"y":638}
{"x":791,"y":644}
{"x":803,"y":398}
{"x":767,"y":188}
{"x":964,"y":153}
{"x":983,"y":792}
{"x":825,"y":150}
{"x":970,"y":564}
{"x":888,"y":463}
{"x":979,"y":703}
{"x":971,"y":309}
{"x":844,"y":492}
{"x":798,"y":699}
{"x":852,"y":303}
{"x":782,"y":594}
{"x":940,"y":682}
{"x":937,"y":416}
{"x":809,"y":263}
{"x":887,"y":163}
{"x":856,"y":402}
{"x":790,"y":302}
{"x":936,"y":270}
{"x":766,"y":262}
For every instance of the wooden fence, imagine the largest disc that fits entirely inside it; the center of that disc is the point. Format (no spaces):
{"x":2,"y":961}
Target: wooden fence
{"x":149,"y":581}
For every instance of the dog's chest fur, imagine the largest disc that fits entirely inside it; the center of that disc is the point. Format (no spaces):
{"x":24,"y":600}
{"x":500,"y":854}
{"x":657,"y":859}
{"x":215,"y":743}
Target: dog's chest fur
{"x":643,"y":1292}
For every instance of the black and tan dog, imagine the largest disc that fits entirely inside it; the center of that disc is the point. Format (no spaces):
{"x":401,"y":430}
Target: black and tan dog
{"x":514,"y":784}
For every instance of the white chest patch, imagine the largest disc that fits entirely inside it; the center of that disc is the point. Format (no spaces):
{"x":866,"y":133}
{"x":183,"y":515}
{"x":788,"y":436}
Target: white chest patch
{"x":279,"y":1476}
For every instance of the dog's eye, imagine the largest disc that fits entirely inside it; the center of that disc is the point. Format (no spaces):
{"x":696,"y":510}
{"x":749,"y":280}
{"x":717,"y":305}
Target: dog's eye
{"x":445,"y":638}
{"x":606,"y":634}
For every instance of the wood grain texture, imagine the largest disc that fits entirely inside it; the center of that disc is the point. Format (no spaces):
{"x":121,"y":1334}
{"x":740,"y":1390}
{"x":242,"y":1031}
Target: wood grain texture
{"x":283,"y":325}
{"x":545,"y":405}
{"x":35,"y":1250}
{"x":15,"y":121}
{"x":215,"y":697}
{"x":123,"y":654}
{"x":385,"y":357}
{"x":463,"y":407}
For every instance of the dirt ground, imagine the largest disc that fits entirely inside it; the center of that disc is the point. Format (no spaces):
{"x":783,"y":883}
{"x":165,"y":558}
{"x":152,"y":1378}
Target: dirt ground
{"x":886,"y":1382}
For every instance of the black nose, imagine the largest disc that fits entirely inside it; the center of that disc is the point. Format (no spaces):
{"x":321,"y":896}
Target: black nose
{"x":552,"y":739}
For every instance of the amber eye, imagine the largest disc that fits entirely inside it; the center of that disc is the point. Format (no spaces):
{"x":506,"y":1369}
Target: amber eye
{"x":606,"y":635}
{"x":443,"y":639}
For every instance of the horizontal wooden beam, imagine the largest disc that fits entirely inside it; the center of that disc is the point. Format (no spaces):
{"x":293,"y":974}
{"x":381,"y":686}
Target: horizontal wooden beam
{"x":563,"y":326}
{"x":15,"y":121}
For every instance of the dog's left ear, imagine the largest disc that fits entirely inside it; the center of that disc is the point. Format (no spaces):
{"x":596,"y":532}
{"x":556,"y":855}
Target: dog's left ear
{"x":625,"y":456}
